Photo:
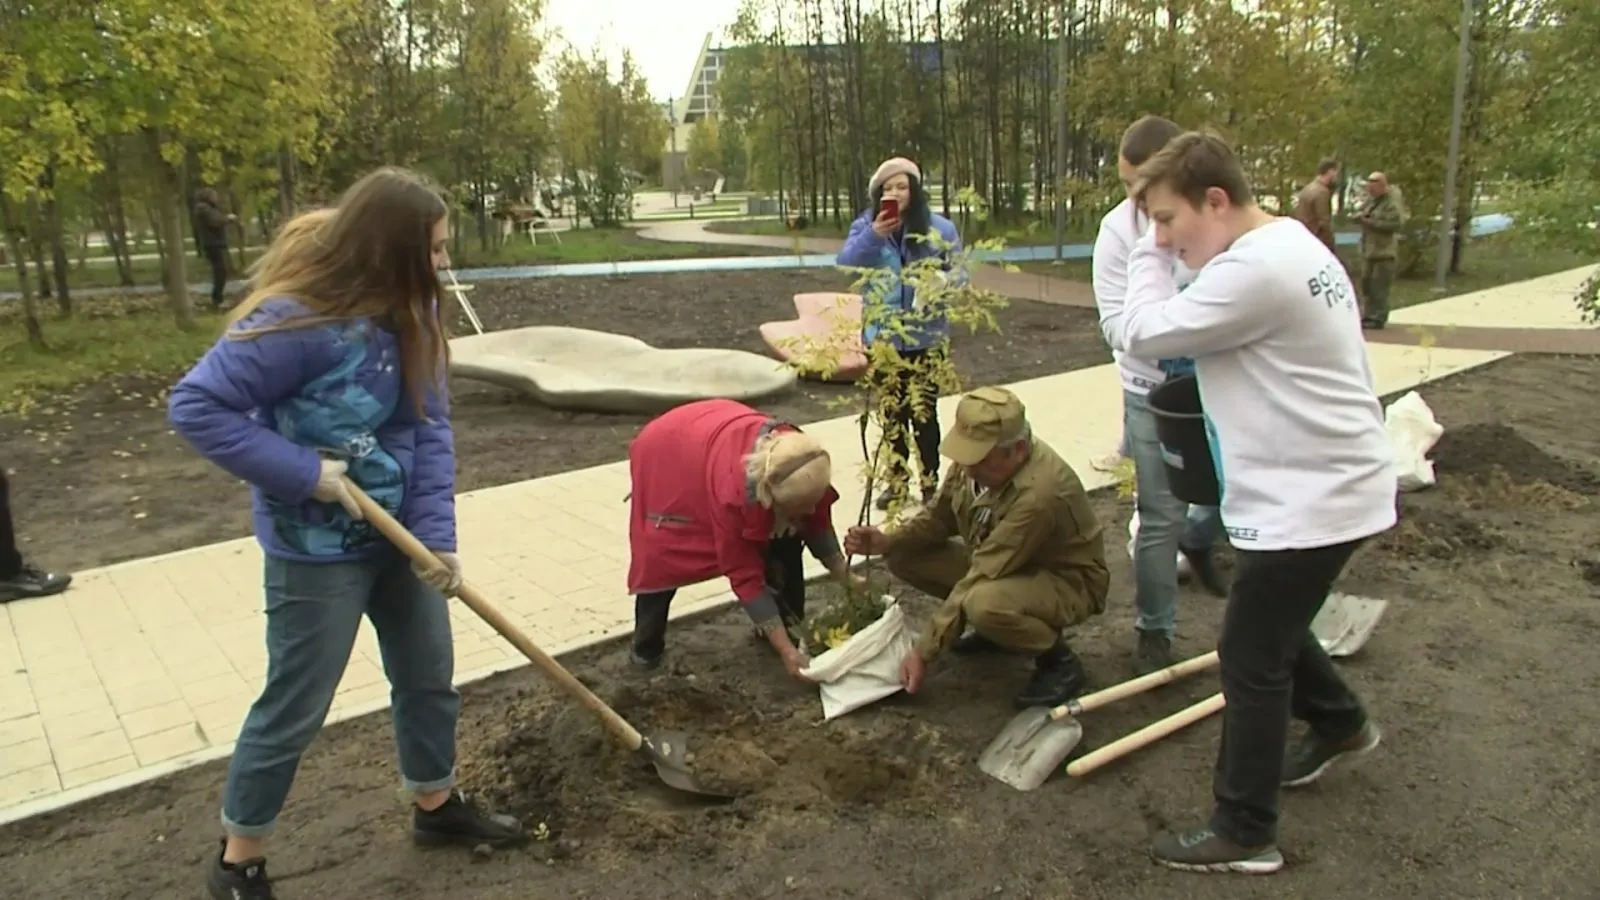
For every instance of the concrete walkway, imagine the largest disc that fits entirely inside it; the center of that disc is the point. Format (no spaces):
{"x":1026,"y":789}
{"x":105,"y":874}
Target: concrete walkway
{"x":149,"y":666}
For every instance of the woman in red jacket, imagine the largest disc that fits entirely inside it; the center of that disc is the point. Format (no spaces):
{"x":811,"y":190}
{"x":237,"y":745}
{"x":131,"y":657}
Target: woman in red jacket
{"x":720,"y":488}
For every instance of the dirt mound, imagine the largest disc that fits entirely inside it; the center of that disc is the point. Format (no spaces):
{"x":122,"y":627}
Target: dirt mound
{"x":1426,"y":531}
{"x":1495,"y":451}
{"x":548,"y":761}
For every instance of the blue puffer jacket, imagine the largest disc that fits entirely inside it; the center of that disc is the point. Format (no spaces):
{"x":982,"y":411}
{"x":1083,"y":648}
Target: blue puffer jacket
{"x":864,"y":249}
{"x":267,"y":407}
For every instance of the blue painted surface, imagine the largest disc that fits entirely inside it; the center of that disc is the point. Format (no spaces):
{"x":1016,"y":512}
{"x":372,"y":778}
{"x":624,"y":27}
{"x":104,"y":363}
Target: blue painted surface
{"x":1491,"y":223}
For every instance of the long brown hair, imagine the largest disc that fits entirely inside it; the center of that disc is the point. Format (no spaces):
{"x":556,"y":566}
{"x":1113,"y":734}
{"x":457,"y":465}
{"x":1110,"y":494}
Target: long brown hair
{"x":370,"y":256}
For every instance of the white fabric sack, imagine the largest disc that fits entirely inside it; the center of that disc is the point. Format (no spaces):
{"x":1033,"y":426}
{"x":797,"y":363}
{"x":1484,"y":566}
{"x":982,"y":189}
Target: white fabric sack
{"x":866,"y":667}
{"x":1412,"y":433}
{"x":1184,"y":569}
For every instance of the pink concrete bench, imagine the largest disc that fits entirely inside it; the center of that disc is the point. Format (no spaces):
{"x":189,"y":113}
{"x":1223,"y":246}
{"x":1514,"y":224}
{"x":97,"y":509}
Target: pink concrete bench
{"x":827,"y":326}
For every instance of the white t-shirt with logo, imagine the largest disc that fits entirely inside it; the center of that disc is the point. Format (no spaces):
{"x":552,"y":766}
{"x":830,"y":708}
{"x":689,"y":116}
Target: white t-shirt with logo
{"x":1119,"y":231}
{"x":1294,"y":421}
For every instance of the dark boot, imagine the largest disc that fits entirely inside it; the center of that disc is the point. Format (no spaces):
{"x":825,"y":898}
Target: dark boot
{"x":650,"y":613}
{"x":32,"y":581}
{"x":246,"y":880}
{"x":1057,"y":677}
{"x":1154,"y":652}
{"x":1204,"y":564}
{"x":461,"y":822}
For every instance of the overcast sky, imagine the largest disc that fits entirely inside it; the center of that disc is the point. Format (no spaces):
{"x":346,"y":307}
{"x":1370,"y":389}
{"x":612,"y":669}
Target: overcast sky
{"x":663,"y":35}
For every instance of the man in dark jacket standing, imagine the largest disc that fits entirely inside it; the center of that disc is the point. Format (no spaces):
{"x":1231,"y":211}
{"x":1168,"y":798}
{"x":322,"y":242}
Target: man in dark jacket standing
{"x":1313,"y":206}
{"x":211,"y":238}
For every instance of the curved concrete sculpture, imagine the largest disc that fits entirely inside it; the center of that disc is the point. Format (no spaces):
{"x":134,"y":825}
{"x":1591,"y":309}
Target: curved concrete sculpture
{"x":827,"y":328}
{"x":598,"y":371}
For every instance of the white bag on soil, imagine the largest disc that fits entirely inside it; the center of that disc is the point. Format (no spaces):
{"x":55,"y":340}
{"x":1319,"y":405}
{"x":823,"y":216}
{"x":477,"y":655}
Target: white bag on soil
{"x":866,"y":667}
{"x":1412,"y":433}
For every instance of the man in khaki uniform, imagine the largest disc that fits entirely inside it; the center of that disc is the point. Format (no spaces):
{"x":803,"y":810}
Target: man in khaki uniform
{"x":1313,"y":206}
{"x":1009,"y":543}
{"x":1381,"y":217}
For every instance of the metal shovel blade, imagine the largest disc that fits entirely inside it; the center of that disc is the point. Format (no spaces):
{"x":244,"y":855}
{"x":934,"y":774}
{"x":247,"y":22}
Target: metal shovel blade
{"x":1030,"y":747}
{"x":668,"y":751}
{"x":1346,"y":622}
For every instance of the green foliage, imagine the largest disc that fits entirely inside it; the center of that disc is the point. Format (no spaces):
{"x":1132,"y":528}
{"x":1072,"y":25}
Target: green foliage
{"x":837,"y":620}
{"x":877,"y":391}
{"x":607,"y":129}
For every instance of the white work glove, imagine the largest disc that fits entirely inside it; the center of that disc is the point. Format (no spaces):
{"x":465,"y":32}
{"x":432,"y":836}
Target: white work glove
{"x":330,"y":488}
{"x":445,"y":579}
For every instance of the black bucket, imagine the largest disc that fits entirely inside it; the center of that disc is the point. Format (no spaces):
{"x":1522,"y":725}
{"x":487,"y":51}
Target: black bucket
{"x":1181,"y":428}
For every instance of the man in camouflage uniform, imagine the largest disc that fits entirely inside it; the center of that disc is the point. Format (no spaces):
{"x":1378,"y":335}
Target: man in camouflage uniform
{"x":1313,"y":206}
{"x":1381,"y":218}
{"x":1009,"y":543}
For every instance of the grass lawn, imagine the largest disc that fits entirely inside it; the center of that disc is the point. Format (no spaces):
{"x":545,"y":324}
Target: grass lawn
{"x":108,"y":335}
{"x":584,"y":245}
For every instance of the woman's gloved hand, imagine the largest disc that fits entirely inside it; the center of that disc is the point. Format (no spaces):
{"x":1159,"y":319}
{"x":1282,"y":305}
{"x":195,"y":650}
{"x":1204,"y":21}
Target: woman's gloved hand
{"x":445,"y":579}
{"x":330,"y":487}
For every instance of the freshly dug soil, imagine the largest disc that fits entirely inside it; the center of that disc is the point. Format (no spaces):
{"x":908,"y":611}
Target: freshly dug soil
{"x":100,"y":477}
{"x":1482,"y":677}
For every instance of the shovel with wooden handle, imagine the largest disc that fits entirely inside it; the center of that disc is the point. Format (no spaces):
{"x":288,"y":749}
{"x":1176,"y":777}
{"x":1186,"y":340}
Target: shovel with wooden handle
{"x":1036,"y":740}
{"x":1145,"y":736}
{"x":665,"y":750}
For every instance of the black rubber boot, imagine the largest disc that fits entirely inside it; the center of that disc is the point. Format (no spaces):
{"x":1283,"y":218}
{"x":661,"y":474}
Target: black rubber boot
{"x":1057,"y":677}
{"x":461,"y":822}
{"x":650,"y":612}
{"x":1204,"y":564}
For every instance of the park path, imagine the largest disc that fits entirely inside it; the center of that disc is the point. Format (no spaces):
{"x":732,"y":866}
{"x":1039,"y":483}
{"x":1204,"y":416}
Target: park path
{"x":1534,"y":316}
{"x":1017,"y":285}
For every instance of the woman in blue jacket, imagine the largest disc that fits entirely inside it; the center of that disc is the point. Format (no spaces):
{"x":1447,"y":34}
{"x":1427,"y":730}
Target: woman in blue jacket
{"x":888,"y":237}
{"x":334,"y":366}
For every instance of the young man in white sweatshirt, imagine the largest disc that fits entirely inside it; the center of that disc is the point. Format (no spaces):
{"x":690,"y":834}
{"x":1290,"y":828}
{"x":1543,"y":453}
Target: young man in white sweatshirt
{"x":1296,"y":431}
{"x":1167,"y":525}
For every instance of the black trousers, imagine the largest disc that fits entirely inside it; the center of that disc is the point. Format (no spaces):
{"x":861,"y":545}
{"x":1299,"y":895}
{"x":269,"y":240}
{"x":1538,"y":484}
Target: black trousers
{"x":217,"y":256}
{"x":918,"y":420}
{"x":785,"y":575}
{"x":1274,"y":669}
{"x":10,"y":559}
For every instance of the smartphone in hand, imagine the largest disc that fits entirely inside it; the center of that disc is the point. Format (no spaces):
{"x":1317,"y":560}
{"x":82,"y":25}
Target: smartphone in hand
{"x":888,"y":208}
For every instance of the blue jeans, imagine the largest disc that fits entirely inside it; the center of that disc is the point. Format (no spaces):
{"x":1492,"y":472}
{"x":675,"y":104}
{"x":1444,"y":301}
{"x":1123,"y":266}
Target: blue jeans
{"x":313,"y":612}
{"x":1165,"y":522}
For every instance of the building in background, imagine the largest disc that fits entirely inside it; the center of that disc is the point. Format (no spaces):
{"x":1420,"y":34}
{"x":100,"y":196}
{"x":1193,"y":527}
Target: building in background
{"x":697,"y":103}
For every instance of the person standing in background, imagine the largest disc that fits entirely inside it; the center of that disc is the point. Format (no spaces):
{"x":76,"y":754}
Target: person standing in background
{"x":1313,"y":206}
{"x":211,"y":239}
{"x":18,"y":579}
{"x":1381,"y":217}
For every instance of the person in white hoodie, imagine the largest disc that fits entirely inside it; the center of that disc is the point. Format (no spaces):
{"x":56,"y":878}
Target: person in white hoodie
{"x":1167,"y":526}
{"x":1296,"y":432}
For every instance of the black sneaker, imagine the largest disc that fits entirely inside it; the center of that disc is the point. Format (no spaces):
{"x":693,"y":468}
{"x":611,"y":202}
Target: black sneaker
{"x":1154,"y":652}
{"x":32,"y":581}
{"x":1057,"y":677}
{"x":460,"y":822}
{"x":1311,"y":756}
{"x":245,"y":880}
{"x":1203,"y":850}
{"x":1203,"y":564}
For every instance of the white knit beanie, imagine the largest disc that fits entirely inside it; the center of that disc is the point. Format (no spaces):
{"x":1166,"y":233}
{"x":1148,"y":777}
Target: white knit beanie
{"x":899,"y":165}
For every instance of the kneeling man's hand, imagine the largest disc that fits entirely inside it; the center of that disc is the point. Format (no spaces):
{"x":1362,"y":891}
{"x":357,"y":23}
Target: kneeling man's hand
{"x":865,"y":540}
{"x":912,"y":668}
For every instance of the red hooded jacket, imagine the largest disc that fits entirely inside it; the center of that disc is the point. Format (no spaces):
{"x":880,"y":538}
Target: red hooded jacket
{"x":694,"y":513}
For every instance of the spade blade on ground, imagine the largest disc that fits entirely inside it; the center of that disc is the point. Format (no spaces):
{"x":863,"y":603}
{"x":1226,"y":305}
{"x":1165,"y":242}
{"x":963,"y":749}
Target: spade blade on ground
{"x":1346,"y":621}
{"x":666,"y":751}
{"x":1036,"y":740}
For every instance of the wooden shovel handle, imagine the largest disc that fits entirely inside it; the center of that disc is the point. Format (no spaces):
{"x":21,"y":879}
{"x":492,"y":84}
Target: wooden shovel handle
{"x":1134,"y":686}
{"x":1145,"y":736}
{"x":413,"y":548}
